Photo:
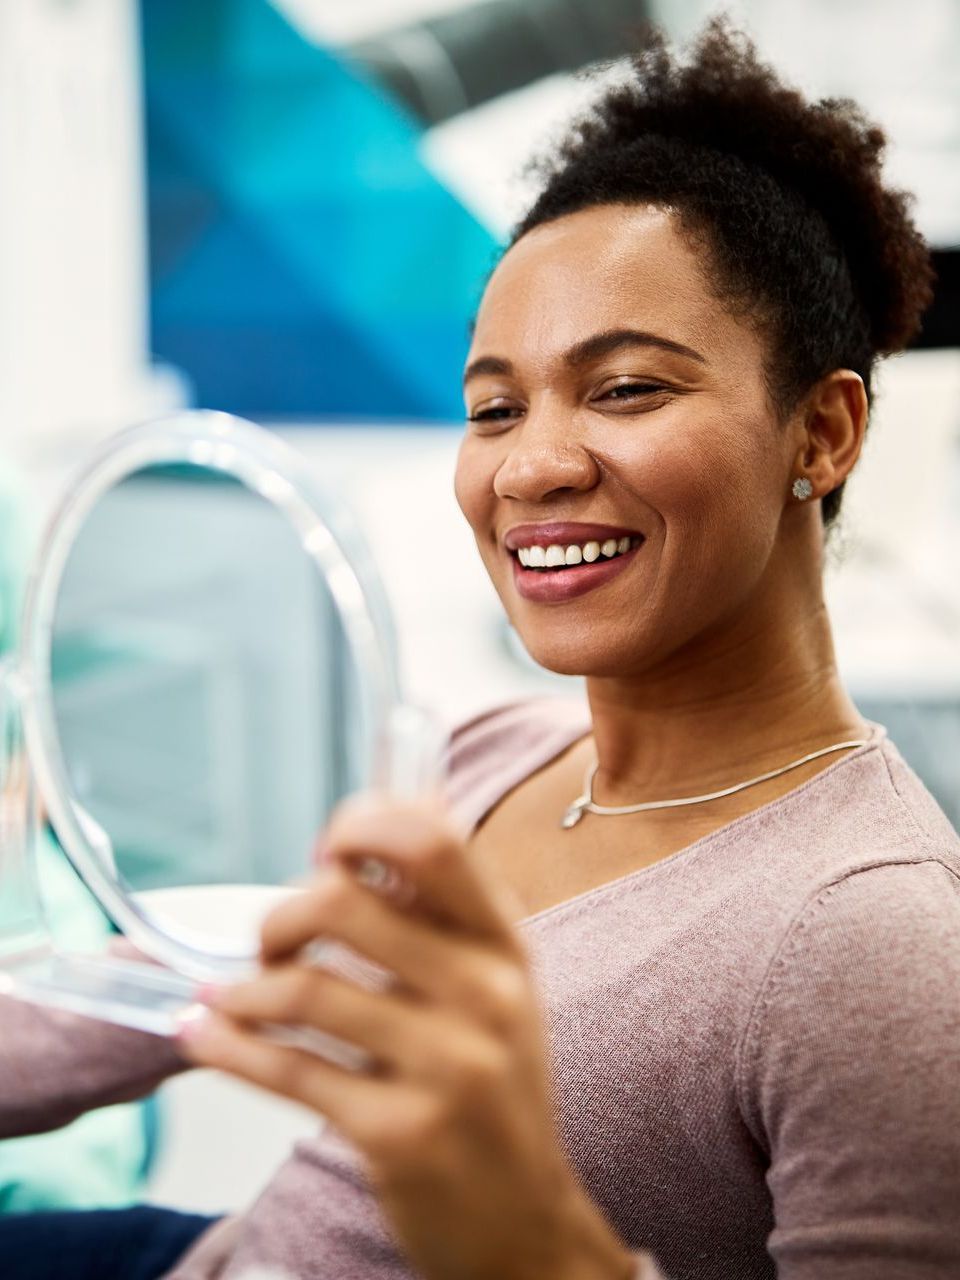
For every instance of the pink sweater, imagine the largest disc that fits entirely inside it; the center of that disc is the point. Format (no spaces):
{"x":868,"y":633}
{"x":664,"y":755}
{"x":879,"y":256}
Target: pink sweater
{"x":756,"y":1042}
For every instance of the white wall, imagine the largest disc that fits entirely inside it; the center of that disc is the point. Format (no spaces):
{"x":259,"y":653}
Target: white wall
{"x":73,"y":345}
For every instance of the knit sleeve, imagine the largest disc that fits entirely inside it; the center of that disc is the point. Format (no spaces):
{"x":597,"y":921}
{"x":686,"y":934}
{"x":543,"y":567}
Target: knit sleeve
{"x":849,"y":1077}
{"x":55,"y":1066}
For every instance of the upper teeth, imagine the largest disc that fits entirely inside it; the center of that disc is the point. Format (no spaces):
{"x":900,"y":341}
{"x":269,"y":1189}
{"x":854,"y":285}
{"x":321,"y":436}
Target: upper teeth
{"x":553,"y":556}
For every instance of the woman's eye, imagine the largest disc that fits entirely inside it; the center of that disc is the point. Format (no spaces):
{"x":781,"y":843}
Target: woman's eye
{"x":495,"y":413}
{"x":632,"y":391}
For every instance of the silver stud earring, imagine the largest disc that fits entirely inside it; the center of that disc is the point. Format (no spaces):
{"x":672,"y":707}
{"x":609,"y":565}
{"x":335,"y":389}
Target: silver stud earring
{"x":802,"y":488}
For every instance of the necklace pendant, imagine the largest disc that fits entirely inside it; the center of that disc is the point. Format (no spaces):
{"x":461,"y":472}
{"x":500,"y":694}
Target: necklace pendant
{"x":574,"y":813}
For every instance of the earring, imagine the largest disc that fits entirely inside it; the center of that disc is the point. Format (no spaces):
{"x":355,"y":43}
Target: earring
{"x":802,"y":488}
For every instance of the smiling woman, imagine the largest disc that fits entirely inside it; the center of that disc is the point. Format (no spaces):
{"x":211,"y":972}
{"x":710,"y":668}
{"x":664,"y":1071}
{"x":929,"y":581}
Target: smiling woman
{"x":705,"y":1005}
{"x":746,"y":935}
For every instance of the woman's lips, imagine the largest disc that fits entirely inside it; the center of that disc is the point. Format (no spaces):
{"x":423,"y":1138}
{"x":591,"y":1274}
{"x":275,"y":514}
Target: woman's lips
{"x":554,"y":586}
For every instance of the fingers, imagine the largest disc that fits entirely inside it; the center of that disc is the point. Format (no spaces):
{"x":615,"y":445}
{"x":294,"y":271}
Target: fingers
{"x":216,"y":1041}
{"x":401,"y":1042}
{"x":470,"y":976}
{"x":384,"y":1118}
{"x":418,"y":843}
{"x":393,"y":1031}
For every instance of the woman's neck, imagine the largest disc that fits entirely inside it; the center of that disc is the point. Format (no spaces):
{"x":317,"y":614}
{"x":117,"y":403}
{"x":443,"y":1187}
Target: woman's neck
{"x":737,"y":705}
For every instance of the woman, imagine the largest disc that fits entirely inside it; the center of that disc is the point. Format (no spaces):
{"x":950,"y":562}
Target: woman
{"x":749,"y":974}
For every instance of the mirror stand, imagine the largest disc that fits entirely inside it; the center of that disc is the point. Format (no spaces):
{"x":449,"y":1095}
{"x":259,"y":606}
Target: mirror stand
{"x":131,"y":993}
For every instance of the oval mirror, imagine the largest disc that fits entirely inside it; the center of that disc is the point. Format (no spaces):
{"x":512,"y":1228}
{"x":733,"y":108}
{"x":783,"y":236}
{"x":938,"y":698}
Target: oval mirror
{"x":208,"y":664}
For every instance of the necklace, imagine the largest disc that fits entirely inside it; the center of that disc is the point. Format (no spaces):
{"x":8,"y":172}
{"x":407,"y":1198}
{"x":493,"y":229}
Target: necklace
{"x":585,"y":803}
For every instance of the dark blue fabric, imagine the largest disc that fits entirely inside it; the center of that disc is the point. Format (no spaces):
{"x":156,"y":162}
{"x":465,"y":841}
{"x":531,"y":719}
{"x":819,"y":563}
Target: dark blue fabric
{"x":99,"y":1244}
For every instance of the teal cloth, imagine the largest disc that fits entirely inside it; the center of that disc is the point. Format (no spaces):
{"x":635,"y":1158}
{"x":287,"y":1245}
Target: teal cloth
{"x":100,"y":1159}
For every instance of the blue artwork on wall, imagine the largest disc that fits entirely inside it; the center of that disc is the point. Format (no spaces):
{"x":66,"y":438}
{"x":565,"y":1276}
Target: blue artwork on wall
{"x":304,"y":262}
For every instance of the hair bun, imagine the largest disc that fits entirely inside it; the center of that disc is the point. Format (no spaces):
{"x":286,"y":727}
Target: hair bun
{"x":721,"y":97}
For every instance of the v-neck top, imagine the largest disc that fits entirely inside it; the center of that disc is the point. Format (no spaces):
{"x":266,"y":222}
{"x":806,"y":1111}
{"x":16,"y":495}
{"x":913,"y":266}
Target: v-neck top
{"x":755,"y":1042}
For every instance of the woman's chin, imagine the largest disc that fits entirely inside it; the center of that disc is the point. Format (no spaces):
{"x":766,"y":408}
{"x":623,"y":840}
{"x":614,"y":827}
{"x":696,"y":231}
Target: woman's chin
{"x":565,"y":658}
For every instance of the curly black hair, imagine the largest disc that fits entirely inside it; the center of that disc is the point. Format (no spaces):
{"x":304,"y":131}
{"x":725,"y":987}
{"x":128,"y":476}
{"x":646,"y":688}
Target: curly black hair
{"x":787,"y":195}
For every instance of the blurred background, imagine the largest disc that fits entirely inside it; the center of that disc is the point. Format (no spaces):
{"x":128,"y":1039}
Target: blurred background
{"x":288,"y":210}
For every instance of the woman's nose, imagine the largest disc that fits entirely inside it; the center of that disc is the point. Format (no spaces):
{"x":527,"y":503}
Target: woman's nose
{"x":545,"y":457}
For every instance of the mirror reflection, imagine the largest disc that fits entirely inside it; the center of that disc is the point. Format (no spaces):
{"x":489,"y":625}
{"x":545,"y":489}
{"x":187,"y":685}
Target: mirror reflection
{"x":201,"y":693}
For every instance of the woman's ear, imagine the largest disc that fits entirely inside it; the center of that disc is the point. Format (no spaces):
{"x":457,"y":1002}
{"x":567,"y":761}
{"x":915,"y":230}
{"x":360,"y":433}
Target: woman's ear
{"x":834,"y":424}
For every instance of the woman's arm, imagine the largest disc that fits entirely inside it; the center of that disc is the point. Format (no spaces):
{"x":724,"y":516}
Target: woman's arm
{"x":55,"y":1066}
{"x":850,"y":1078}
{"x":452,"y":1106}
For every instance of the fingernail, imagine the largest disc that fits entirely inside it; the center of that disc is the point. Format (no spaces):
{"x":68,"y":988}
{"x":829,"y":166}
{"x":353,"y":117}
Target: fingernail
{"x":208,"y":993}
{"x":191,"y":1023}
{"x":372,"y":873}
{"x":384,"y":879}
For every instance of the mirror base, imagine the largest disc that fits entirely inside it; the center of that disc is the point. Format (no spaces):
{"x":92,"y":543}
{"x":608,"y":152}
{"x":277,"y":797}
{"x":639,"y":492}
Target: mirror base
{"x":130,"y":994}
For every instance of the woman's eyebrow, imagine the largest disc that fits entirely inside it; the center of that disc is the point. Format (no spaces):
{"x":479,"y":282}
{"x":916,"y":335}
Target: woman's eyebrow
{"x":593,"y":348}
{"x":486,"y":364}
{"x":604,"y":344}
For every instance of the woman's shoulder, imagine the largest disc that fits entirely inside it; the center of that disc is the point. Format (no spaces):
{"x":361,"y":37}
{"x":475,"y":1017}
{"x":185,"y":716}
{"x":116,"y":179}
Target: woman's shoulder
{"x":871,"y":912}
{"x":492,"y":752}
{"x":886,"y":924}
{"x":917,"y":806}
{"x":868,"y":809}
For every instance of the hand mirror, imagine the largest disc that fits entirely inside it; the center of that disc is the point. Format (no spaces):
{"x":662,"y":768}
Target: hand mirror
{"x":206,"y":667}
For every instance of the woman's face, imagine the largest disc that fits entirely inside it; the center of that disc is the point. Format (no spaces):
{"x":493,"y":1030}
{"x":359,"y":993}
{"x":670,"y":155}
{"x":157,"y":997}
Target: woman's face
{"x":616,"y":403}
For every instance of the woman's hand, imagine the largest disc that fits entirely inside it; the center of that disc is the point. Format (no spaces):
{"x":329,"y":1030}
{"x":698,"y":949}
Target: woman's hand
{"x":452,"y":1105}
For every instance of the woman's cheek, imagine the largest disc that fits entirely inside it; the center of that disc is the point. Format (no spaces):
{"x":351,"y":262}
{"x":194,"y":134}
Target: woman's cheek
{"x":707,"y":478}
{"x":705,"y":491}
{"x":470,"y":486}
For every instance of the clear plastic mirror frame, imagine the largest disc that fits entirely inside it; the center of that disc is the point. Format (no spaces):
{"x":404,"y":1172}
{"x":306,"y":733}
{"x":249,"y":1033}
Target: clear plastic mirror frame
{"x":244,"y":452}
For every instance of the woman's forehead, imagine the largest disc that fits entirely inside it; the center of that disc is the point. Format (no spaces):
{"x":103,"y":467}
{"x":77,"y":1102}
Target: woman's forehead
{"x":596,"y":270}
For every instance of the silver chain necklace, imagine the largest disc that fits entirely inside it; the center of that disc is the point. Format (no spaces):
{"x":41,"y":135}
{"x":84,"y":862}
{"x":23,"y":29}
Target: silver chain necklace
{"x":585,"y":803}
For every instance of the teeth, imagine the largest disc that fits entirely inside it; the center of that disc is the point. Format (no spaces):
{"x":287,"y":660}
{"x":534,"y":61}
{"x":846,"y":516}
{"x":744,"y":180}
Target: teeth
{"x":555,"y":556}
